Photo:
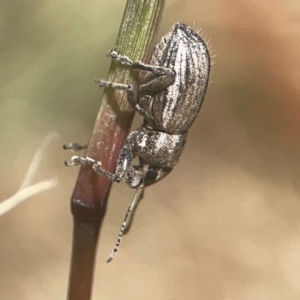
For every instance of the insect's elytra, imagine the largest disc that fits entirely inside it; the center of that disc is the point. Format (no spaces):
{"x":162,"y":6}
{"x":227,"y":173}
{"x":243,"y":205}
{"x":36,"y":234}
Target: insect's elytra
{"x":183,"y":51}
{"x":169,"y":99}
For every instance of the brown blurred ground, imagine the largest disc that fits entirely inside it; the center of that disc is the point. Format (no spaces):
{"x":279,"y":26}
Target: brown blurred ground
{"x":225,"y":224}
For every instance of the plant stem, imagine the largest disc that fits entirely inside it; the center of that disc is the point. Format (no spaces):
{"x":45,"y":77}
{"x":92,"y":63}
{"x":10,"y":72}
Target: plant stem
{"x":88,"y":202}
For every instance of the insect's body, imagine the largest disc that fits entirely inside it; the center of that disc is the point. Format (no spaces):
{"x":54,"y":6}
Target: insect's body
{"x":174,"y":109}
{"x":169,"y":98}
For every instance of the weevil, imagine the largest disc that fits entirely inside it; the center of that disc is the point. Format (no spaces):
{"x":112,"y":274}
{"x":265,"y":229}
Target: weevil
{"x":169,"y":99}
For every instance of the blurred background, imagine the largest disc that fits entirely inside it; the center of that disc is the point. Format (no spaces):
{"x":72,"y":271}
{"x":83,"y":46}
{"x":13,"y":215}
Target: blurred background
{"x":225,"y":224}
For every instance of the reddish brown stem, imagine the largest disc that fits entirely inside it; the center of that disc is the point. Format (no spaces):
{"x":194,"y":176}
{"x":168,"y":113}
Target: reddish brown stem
{"x":139,"y":25}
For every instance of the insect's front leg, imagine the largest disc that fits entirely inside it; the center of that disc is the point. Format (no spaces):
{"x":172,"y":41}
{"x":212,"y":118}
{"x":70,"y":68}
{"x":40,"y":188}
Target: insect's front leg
{"x":124,"y":164}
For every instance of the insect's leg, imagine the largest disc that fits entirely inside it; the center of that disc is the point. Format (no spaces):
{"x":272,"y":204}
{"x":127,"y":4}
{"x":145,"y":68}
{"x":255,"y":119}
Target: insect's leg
{"x":163,"y":77}
{"x":113,"y":85}
{"x":125,"y":60}
{"x":124,"y":162}
{"x":131,"y":92}
{"x":156,"y":85}
{"x":75,"y":147}
{"x":79,"y":160}
{"x":148,"y":89}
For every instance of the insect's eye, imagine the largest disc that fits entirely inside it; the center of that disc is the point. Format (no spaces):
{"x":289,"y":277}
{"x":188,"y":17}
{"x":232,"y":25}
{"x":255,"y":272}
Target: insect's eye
{"x":152,"y":174}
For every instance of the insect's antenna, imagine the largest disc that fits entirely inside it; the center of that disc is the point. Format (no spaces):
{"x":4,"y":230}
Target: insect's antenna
{"x":137,"y":196}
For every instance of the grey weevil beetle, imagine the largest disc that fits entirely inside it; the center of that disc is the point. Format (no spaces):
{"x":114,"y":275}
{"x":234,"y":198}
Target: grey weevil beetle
{"x":169,"y":99}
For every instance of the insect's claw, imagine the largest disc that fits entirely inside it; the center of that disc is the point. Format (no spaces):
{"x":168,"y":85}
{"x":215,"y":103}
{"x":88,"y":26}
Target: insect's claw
{"x":110,"y":258}
{"x":75,"y":160}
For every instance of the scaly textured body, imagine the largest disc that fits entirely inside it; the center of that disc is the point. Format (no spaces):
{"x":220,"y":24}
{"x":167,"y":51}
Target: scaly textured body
{"x":175,"y":108}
